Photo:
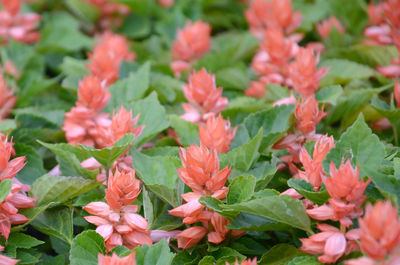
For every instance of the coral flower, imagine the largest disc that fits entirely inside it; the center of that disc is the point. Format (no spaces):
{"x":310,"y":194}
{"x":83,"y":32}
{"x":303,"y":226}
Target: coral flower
{"x":397,"y":93}
{"x":191,"y":236}
{"x":123,"y":189}
{"x":256,"y":90}
{"x":380,"y":230}
{"x":192,"y":42}
{"x":204,"y":97}
{"x":218,"y":222}
{"x":7,"y":99}
{"x":331,"y":243}
{"x":111,"y":12}
{"x":108,"y":55}
{"x":246,"y":262}
{"x":9,"y":168}
{"x":217,"y":134}
{"x":115,"y":260}
{"x":4,"y":260}
{"x":166,"y":3}
{"x":304,"y":74}
{"x":92,"y":94}
{"x":308,"y":115}
{"x":121,"y":124}
{"x":325,"y":27}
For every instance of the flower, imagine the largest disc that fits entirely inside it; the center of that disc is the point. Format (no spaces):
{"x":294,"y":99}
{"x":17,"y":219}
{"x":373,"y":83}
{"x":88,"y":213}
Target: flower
{"x":115,"y":260}
{"x":191,"y":236}
{"x":92,"y":94}
{"x":217,"y":134}
{"x":166,"y":3}
{"x":4,"y":260}
{"x":7,"y":99}
{"x":304,"y":74}
{"x":397,"y":93}
{"x":331,"y":243}
{"x":111,"y":12}
{"x":9,"y":168}
{"x":246,"y":262}
{"x":204,"y":97}
{"x":380,"y":230}
{"x":192,"y":42}
{"x":123,"y":189}
{"x":325,"y":27}
{"x":108,"y":55}
{"x":308,"y":115}
{"x":256,"y":90}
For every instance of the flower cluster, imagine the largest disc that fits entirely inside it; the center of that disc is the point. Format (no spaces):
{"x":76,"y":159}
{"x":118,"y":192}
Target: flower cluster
{"x":115,"y":260}
{"x":111,"y":13}
{"x":191,"y":43}
{"x":116,"y":220}
{"x":17,"y":26}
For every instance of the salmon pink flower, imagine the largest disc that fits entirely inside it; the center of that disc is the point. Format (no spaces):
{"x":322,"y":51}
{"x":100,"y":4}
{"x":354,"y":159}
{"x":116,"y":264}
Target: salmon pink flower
{"x":166,"y":3}
{"x":191,"y":43}
{"x":191,"y":236}
{"x":217,"y":133}
{"x":92,"y":94}
{"x":218,"y":222}
{"x":380,"y":230}
{"x":9,"y":168}
{"x":123,"y":189}
{"x":108,"y":55}
{"x":115,"y":260}
{"x":331,"y":243}
{"x":304,"y":74}
{"x":256,"y":90}
{"x":397,"y":93}
{"x":7,"y":99}
{"x":204,"y":97}
{"x":325,"y":27}
{"x":246,"y":262}
{"x":4,"y":260}
{"x":111,"y":13}
{"x":308,"y":115}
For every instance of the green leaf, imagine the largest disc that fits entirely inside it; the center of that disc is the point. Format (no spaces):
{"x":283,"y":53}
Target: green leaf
{"x":85,"y":248}
{"x":131,"y":88}
{"x":156,"y":254}
{"x":58,"y":189}
{"x":159,"y":174}
{"x":31,"y":214}
{"x":188,"y":132}
{"x":217,"y":206}
{"x":241,"y":189}
{"x":329,"y":94}
{"x":352,"y":14}
{"x":280,"y":254}
{"x":342,"y":71}
{"x":56,"y":222}
{"x":380,"y":55}
{"x":83,"y":10}
{"x":69,"y":163}
{"x":136,"y":26}
{"x":5,"y":189}
{"x":243,"y":157}
{"x":73,"y":67}
{"x":306,"y":189}
{"x":391,"y":113}
{"x":6,"y":126}
{"x":20,"y":240}
{"x":108,"y":155}
{"x":251,"y":222}
{"x":306,"y":260}
{"x":234,"y":77}
{"x":279,"y":208}
{"x":152,"y":114}
{"x":168,"y":88}
{"x":360,"y":145}
{"x":274,"y":121}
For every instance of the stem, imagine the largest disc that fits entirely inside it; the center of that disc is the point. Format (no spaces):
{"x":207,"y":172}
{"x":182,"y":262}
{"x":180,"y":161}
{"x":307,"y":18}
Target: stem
{"x":342,"y":229}
{"x":107,"y":174}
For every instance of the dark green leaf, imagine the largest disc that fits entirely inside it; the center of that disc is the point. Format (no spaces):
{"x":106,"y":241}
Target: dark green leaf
{"x":85,"y":248}
{"x":306,"y":189}
{"x":5,"y":189}
{"x":280,"y":254}
{"x":241,"y":189}
{"x":158,"y":253}
{"x":188,"y":132}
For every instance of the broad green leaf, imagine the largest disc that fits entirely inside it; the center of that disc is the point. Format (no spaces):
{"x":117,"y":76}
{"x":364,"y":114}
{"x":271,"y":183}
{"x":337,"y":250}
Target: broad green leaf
{"x":131,"y":88}
{"x":186,"y":258}
{"x":225,"y":254}
{"x":93,"y":195}
{"x":251,"y":222}
{"x":58,"y":189}
{"x":136,"y":26}
{"x":342,"y":71}
{"x":279,"y":208}
{"x":20,"y":240}
{"x":243,"y":157}
{"x":380,"y":55}
{"x":280,"y":254}
{"x":218,"y":206}
{"x":241,"y":189}
{"x":352,"y":14}
{"x":74,"y":67}
{"x":274,"y":121}
{"x":329,"y":94}
{"x":306,"y":189}
{"x":188,"y":132}
{"x":234,"y":77}
{"x":391,"y":113}
{"x":156,"y":254}
{"x":159,"y":174}
{"x":152,"y":115}
{"x":31,"y":214}
{"x":168,"y":88}
{"x":84,"y":10}
{"x":69,"y":163}
{"x":108,"y":155}
{"x":5,"y":189}
{"x":6,"y":126}
{"x":85,"y":248}
{"x":306,"y":260}
{"x":360,"y":145}
{"x":56,"y":222}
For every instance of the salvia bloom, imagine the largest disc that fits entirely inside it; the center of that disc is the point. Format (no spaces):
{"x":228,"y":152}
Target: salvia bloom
{"x":107,"y":56}
{"x":331,"y":243}
{"x":92,"y":94}
{"x":325,"y":27}
{"x":7,"y":99}
{"x":256,"y":89}
{"x":16,"y":26}
{"x":191,"y":43}
{"x":346,"y":192}
{"x":9,"y":168}
{"x":166,"y":3}
{"x":397,"y":93}
{"x":117,"y":221}
{"x":246,"y":262}
{"x":217,"y":133}
{"x":304,"y":74}
{"x":308,"y":115}
{"x":191,"y":236}
{"x":272,"y":14}
{"x":115,"y":260}
{"x":204,"y":96}
{"x":111,"y":12}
